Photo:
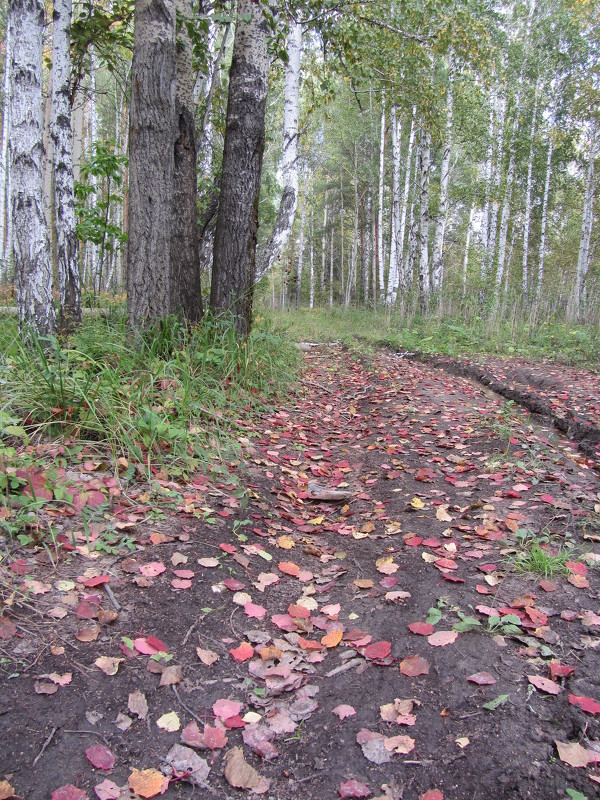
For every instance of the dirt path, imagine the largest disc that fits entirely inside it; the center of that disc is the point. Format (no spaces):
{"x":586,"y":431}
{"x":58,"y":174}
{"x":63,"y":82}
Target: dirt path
{"x":345,"y":646}
{"x":568,"y":396}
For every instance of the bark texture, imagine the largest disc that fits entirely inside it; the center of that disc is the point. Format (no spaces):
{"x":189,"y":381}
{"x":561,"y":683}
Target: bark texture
{"x":151,"y":161}
{"x":33,"y":274}
{"x":237,"y":223}
{"x":186,"y":291}
{"x":69,"y":282}
{"x":271,"y":252}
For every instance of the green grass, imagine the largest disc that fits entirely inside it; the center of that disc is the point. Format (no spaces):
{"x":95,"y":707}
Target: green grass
{"x":168,"y":397}
{"x":558,"y":341}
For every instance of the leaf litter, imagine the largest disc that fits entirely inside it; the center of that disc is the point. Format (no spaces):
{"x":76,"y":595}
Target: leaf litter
{"x":350,"y":565}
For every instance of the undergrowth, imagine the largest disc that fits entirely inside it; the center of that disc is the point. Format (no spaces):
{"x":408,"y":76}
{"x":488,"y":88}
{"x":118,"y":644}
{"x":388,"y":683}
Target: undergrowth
{"x":168,"y":397}
{"x":577,"y":345}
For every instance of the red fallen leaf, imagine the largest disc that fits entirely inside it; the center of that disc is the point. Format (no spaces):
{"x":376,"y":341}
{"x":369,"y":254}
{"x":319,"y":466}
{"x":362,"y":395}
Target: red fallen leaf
{"x":142,"y":646}
{"x":226,"y":708}
{"x":425,"y":474}
{"x":452,"y":578}
{"x":7,"y":628}
{"x":547,"y":498}
{"x":388,"y":582}
{"x":254,"y":610}
{"x":481,"y":589}
{"x":97,"y":581}
{"x":378,"y":650}
{"x":180,"y":583}
{"x":578,"y":581}
{"x":568,"y":615}
{"x":413,"y":541}
{"x":86,"y":610}
{"x":214,"y":738}
{"x":545,"y":684}
{"x":547,"y":585}
{"x":412,"y":666}
{"x":576,"y":567}
{"x":558,"y":670}
{"x":421,"y":628}
{"x":156,"y":643}
{"x":587,"y":704}
{"x":344,"y":711}
{"x":299,"y":612}
{"x":431,"y":542}
{"x":489,"y":611}
{"x":187,"y":574}
{"x":107,"y":790}
{"x":233,"y":585}
{"x":445,"y":563}
{"x":228,"y":548}
{"x":309,"y":644}
{"x":536,"y":616}
{"x":284,"y":622}
{"x":69,"y":792}
{"x":354,"y":788}
{"x":100,"y":757}
{"x":482,"y":679}
{"x":442,"y":638}
{"x":234,"y":722}
{"x":242,"y":653}
{"x":487,"y":568}
{"x":289,"y":568}
{"x":432,"y":794}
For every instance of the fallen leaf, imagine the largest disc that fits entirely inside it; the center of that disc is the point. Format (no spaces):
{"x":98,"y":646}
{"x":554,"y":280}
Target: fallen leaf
{"x":572,"y":753}
{"x":43,"y":687}
{"x":184,"y":761}
{"x":344,"y":711}
{"x":138,"y":704}
{"x":107,"y":790}
{"x":587,"y":704}
{"x":88,"y":633}
{"x":253,"y":610}
{"x":412,"y":666}
{"x":148,"y":782}
{"x":207,"y":657}
{"x":6,"y":790}
{"x":421,"y":628}
{"x":226,"y":708}
{"x":354,"y":788}
{"x":544,"y":684}
{"x":170,"y":675}
{"x":169,"y":722}
{"x":442,"y":638}
{"x":100,"y":757}
{"x":482,"y":679}
{"x":238,"y":773}
{"x":432,"y":794}
{"x":108,"y":664}
{"x":378,"y":650}
{"x":399,"y":744}
{"x":364,"y":583}
{"x":333,"y":638}
{"x":69,"y":792}
{"x":153,"y":569}
{"x":242,"y":653}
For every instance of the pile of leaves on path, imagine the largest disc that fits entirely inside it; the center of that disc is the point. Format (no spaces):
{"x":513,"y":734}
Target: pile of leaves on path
{"x":399,"y":606}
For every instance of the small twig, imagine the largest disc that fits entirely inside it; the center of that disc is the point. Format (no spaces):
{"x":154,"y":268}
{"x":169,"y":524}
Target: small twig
{"x":183,"y":705}
{"x":89,"y":733}
{"x":354,"y":662}
{"x":188,"y":633}
{"x":111,"y":597}
{"x":44,"y":746}
{"x":317,"y":386}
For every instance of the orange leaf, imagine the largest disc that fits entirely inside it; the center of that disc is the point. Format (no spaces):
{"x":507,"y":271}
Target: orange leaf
{"x":148,"y":782}
{"x":333,"y":638}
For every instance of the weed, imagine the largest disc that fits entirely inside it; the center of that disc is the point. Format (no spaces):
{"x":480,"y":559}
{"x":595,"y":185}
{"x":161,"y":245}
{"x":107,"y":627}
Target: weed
{"x":542,"y":554}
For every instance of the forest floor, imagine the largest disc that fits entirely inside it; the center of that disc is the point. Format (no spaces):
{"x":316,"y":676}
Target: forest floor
{"x":432,"y":632}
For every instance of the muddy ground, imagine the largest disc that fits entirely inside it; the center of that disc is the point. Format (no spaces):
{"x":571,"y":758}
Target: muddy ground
{"x":391,"y":642}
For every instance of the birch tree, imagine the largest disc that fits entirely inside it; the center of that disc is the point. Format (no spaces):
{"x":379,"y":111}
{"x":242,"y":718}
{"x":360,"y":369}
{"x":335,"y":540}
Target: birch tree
{"x":380,"y":261}
{"x":424,"y":176}
{"x":393,"y":273}
{"x":4,"y":179}
{"x":33,"y":274}
{"x":437,"y":273}
{"x":527,"y":216}
{"x":583,"y":258}
{"x":273,"y":248}
{"x":234,"y":255}
{"x":69,"y":283}
{"x":544,"y":221}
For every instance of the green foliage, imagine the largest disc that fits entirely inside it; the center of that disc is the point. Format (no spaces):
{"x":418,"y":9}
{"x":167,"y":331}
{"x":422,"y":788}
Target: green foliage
{"x":542,"y":554}
{"x":166,"y":396}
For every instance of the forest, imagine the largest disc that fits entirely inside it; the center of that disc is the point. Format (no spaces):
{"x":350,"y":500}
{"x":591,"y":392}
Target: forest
{"x":299,"y":399}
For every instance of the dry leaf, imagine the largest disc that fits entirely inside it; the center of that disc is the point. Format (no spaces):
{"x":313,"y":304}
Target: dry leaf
{"x":572,"y":753}
{"x":238,"y":772}
{"x":170,"y":675}
{"x":137,"y":704}
{"x":169,"y":722}
{"x":108,"y":664}
{"x":148,"y":782}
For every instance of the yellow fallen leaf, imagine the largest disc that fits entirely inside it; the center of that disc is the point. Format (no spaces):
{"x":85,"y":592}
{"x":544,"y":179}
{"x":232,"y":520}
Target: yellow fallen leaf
{"x":333,"y":638}
{"x":364,"y":583}
{"x":169,"y":722}
{"x":286,"y":542}
{"x":442,"y":514}
{"x":462,"y":742}
{"x":429,"y":558}
{"x":148,"y":782}
{"x":417,"y":503}
{"x":6,"y":790}
{"x":317,"y":520}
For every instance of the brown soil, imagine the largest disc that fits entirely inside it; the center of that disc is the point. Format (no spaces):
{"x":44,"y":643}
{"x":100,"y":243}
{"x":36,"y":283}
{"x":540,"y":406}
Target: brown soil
{"x":440,"y":479}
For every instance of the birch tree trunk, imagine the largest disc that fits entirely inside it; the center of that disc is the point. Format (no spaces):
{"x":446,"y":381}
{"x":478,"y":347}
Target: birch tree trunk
{"x":69,"y":283}
{"x":151,"y":161}
{"x":331,"y":270}
{"x":424,"y":169}
{"x":411,"y":141}
{"x":33,"y":274}
{"x":271,"y":252}
{"x":380,"y":262}
{"x":95,"y":267}
{"x":487,"y":176}
{"x":542,"y":251}
{"x":233,"y":271}
{"x":300,"y":251}
{"x":437,"y":274}
{"x":311,"y":302}
{"x":527,"y":219}
{"x":496,"y":180}
{"x":4,"y":173}
{"x":394,"y":272}
{"x":578,"y":294}
{"x":467,"y":245}
{"x":324,"y":244}
{"x":186,"y":292}
{"x":353,"y":254}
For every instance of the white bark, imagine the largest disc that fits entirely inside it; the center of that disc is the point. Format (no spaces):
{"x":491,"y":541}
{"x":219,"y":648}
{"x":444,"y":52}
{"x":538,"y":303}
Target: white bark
{"x":500,"y":114}
{"x":311,"y":301}
{"x":583,"y":259}
{"x":542,"y":251}
{"x":62,"y":138}
{"x":381,"y":274}
{"x":4,"y":175}
{"x":95,"y":268}
{"x":404,"y":278}
{"x":527,"y":219}
{"x":424,"y":170}
{"x":300,"y":251}
{"x":437,"y":276}
{"x":487,"y":176}
{"x":33,"y":274}
{"x":324,"y":244}
{"x":331,"y":270}
{"x":288,"y":166}
{"x":467,"y":246}
{"x":354,"y":250}
{"x":394,"y":272}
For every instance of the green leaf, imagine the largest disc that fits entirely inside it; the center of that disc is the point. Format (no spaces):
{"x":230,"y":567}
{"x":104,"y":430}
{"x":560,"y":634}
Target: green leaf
{"x":497,"y":701}
{"x":575,"y":794}
{"x":434,"y":615}
{"x":466,"y":624}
